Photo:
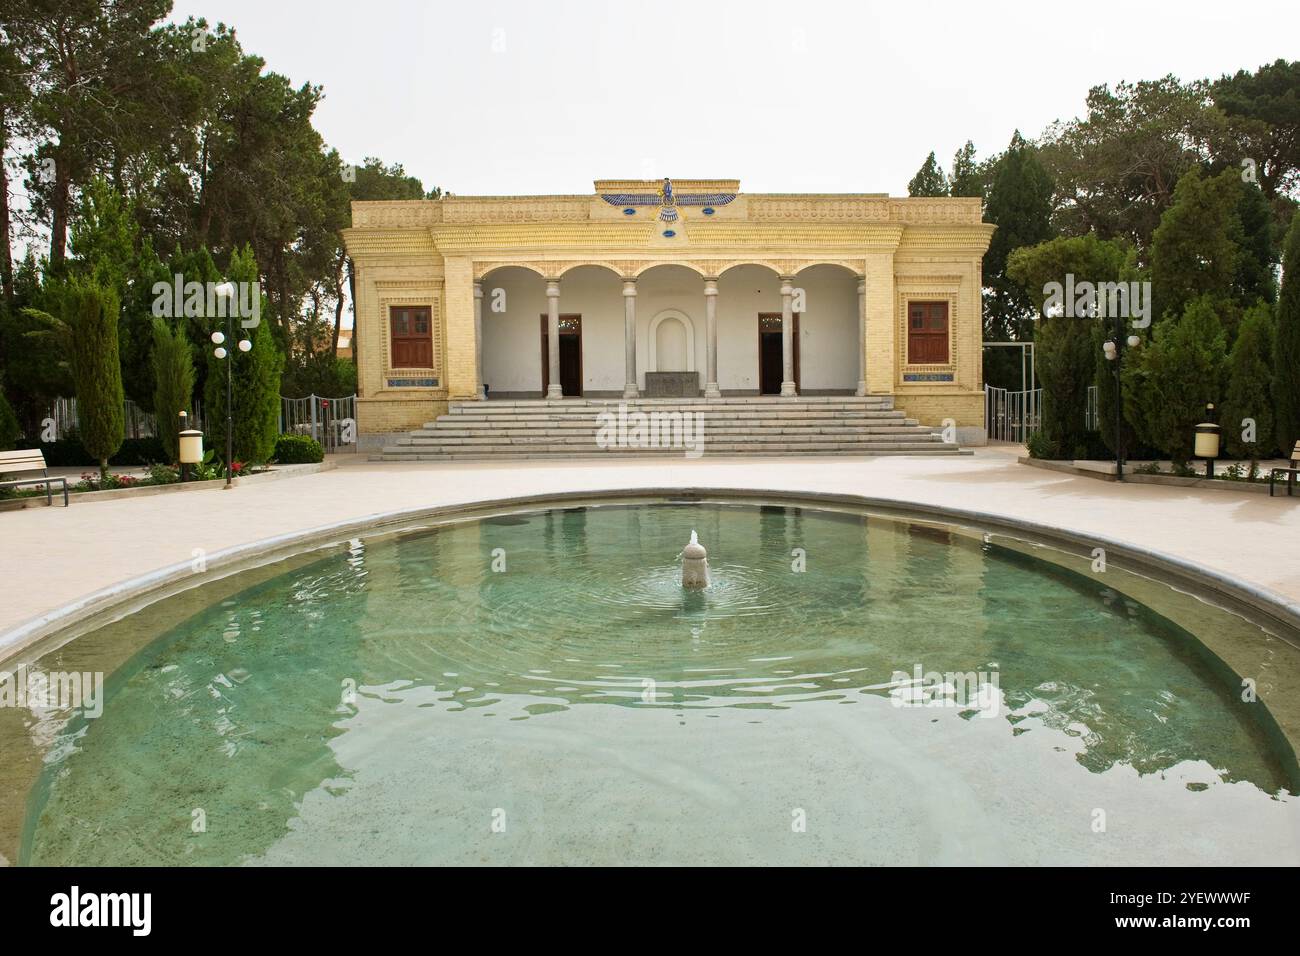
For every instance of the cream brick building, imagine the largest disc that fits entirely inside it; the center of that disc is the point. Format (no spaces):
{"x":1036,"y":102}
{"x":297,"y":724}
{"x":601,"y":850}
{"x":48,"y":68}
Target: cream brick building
{"x":688,"y":288}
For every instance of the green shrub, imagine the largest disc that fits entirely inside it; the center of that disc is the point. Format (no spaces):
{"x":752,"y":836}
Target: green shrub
{"x":10,"y":431}
{"x":298,"y":450}
{"x":1040,"y":446}
{"x":68,"y":452}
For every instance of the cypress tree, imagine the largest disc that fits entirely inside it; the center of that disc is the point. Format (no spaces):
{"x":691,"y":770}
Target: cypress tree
{"x":1286,"y":355}
{"x":90,"y":314}
{"x":1176,"y":376}
{"x":173,"y":372}
{"x":1248,"y":397}
{"x":929,"y":179}
{"x":256,"y":385}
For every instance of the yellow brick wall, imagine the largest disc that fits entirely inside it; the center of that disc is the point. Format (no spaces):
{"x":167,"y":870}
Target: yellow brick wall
{"x":379,"y":416}
{"x":880,"y":337}
{"x":459,"y":325}
{"x":931,"y":408}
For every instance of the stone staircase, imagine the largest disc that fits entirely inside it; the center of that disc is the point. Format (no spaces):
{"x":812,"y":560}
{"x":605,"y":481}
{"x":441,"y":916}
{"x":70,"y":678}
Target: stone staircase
{"x":575,"y":428}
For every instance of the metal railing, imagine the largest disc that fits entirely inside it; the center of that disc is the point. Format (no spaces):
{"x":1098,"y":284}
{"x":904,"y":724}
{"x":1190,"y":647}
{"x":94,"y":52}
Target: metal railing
{"x":61,"y":420}
{"x":1092,"y":417}
{"x":1012,"y":415}
{"x":331,"y":421}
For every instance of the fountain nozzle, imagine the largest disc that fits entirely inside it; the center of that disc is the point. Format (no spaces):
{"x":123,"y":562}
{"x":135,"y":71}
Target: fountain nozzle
{"x":695,"y":564}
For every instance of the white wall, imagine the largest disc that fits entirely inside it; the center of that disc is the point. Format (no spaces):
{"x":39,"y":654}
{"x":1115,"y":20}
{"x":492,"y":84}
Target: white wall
{"x":512,"y":340}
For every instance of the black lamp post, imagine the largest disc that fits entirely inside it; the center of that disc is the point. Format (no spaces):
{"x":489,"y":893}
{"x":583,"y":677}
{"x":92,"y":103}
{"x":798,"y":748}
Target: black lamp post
{"x":227,"y":292}
{"x":1113,"y":349}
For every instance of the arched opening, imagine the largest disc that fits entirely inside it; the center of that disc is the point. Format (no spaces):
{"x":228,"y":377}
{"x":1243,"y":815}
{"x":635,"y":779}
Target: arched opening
{"x":513,"y":297}
{"x":670,"y":331}
{"x":591,"y":333}
{"x":750,"y":353}
{"x":671,"y":338}
{"x":828,"y":330}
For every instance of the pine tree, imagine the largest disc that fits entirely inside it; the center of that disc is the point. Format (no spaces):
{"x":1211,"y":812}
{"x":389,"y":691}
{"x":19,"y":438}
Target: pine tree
{"x":173,"y":373}
{"x":1286,"y":355}
{"x":1248,"y":405}
{"x":929,"y":179}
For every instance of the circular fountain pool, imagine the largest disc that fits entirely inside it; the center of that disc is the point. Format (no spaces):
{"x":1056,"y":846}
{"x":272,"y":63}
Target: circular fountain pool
{"x":538,"y":688}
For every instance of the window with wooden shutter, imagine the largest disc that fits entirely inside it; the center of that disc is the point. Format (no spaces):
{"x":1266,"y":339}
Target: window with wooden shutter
{"x":927,"y":333}
{"x":410,"y":329}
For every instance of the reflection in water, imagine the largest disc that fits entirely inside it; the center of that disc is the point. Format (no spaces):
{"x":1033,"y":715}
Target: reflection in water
{"x":411,"y":670}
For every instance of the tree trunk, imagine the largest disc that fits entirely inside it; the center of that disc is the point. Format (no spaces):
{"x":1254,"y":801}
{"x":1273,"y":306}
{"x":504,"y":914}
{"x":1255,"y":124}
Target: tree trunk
{"x":6,"y":252}
{"x":338,"y":303}
{"x":352,"y":297}
{"x":59,"y":204}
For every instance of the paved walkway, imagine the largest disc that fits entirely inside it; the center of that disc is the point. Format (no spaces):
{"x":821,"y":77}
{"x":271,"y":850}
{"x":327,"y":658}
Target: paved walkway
{"x":53,"y":556}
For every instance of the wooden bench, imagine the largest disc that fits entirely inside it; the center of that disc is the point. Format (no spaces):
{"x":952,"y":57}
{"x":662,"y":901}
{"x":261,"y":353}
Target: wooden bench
{"x":1275,"y":473}
{"x":30,"y":459}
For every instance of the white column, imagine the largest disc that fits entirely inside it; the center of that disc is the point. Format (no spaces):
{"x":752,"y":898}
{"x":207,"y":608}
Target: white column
{"x":862,"y":335}
{"x":787,"y":338}
{"x":629,"y":338}
{"x":479,"y":393}
{"x":553,"y":337}
{"x":711,"y":389}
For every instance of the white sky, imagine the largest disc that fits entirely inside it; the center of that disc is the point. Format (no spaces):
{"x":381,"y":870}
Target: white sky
{"x":788,"y":97}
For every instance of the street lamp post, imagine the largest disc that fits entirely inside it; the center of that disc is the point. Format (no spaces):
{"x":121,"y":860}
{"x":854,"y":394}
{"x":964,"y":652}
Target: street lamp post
{"x":226,"y":291}
{"x":1113,"y":349}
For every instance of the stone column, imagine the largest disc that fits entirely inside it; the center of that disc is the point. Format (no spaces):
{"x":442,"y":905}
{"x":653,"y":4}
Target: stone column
{"x":479,"y":394}
{"x":862,"y":335}
{"x":553,"y":337}
{"x":787,"y":338}
{"x":629,"y":338}
{"x":711,"y":389}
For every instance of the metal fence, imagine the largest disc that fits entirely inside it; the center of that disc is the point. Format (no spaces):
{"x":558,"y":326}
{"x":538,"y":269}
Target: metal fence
{"x":61,"y":420}
{"x":1012,"y":415}
{"x":331,"y":421}
{"x":1092,"y":417}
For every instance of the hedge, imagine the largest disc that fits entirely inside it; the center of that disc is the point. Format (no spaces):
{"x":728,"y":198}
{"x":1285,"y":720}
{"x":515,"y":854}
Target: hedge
{"x":69,"y":452}
{"x":298,"y":450}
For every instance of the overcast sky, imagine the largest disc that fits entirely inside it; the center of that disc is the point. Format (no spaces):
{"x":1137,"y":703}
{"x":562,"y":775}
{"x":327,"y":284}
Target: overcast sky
{"x":502,"y":97}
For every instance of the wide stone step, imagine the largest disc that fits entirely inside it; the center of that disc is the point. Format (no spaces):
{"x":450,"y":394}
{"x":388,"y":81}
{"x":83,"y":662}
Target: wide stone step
{"x":880,"y":434}
{"x":730,"y":442}
{"x":738,"y":427}
{"x":591,"y":424}
{"x":515,"y":454}
{"x":752,"y":400}
{"x":792,"y":416}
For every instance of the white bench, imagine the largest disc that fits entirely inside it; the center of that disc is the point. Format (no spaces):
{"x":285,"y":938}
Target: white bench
{"x":30,"y":459}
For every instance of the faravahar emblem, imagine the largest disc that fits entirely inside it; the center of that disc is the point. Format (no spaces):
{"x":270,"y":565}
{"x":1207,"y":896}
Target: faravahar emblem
{"x":667,"y":199}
